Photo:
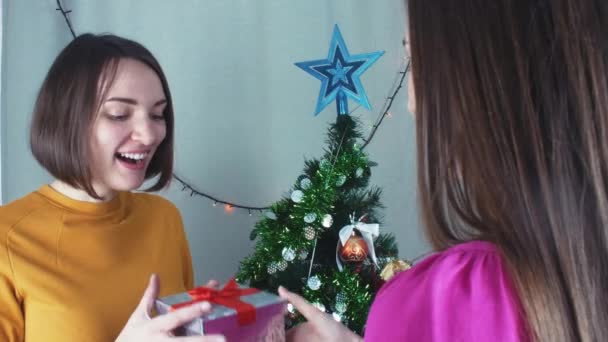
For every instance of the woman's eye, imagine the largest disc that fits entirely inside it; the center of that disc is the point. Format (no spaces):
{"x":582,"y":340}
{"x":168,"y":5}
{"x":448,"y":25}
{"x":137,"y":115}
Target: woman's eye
{"x":118,"y":117}
{"x":157,"y":117}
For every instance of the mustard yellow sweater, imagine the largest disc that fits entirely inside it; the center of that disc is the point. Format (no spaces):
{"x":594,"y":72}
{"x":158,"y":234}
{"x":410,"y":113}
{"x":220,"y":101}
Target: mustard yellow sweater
{"x":75,"y":271}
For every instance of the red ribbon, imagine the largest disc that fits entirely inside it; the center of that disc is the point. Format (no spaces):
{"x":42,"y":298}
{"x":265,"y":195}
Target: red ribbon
{"x":228,"y":296}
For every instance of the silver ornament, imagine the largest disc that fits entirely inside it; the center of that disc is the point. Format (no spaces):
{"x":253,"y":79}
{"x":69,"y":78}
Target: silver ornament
{"x":282,"y":265}
{"x":327,"y":221}
{"x":314,"y":283}
{"x":270,"y":215}
{"x":337,"y":317}
{"x":305,"y":183}
{"x":341,"y":180}
{"x":319,"y":306}
{"x":273,"y":268}
{"x":341,"y":308}
{"x":310,"y":217}
{"x":359,"y":172}
{"x":341,"y":302}
{"x":297,"y":196}
{"x":303,"y":254}
{"x":290,"y":308}
{"x":309,"y":233}
{"x":288,"y":254}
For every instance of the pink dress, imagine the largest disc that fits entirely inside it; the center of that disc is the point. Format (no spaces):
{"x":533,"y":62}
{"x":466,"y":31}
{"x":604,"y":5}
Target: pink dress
{"x":461,"y":294}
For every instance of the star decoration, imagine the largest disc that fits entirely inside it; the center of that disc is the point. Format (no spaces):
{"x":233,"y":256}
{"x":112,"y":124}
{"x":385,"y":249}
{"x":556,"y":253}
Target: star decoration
{"x":340,"y":75}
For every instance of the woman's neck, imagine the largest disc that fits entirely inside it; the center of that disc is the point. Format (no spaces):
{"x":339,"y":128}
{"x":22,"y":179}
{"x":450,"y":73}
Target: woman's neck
{"x":80,"y":194}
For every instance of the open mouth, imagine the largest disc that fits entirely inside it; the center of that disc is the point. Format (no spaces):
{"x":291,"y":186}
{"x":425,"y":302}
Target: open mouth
{"x":132,"y":158}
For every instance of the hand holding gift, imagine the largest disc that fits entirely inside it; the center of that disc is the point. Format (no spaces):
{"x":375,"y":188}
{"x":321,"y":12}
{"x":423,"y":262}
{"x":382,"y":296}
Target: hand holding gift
{"x":238,"y":313}
{"x":140,"y":327}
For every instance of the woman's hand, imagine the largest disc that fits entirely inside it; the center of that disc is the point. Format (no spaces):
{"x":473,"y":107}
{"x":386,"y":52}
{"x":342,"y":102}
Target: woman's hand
{"x":320,"y":326}
{"x":140,"y":327}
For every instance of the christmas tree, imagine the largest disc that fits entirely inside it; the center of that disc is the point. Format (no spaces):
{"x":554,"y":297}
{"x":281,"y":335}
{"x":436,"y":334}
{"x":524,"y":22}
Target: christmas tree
{"x":323,"y":240}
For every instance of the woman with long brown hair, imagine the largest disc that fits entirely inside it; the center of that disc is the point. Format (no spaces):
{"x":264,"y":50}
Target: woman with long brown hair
{"x":511,"y":102}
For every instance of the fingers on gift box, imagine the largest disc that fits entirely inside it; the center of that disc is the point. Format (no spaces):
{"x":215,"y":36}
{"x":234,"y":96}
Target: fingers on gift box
{"x":238,"y":313}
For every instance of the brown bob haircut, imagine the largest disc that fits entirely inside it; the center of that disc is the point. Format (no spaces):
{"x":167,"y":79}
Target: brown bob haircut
{"x":69,"y":100}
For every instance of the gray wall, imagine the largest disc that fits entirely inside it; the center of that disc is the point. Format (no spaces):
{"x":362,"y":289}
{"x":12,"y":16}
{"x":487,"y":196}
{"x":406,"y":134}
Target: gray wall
{"x":243,"y":110}
{"x":1,"y":140}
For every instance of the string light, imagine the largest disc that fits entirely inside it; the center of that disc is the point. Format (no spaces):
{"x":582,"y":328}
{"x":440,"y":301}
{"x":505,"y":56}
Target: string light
{"x":215,"y":200}
{"x":65,"y":13}
{"x":389,"y":102}
{"x":228,"y":206}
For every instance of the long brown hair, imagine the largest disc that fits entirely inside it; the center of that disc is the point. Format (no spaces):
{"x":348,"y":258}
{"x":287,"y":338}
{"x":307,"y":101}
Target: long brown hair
{"x":512,"y":139}
{"x":68,"y":102}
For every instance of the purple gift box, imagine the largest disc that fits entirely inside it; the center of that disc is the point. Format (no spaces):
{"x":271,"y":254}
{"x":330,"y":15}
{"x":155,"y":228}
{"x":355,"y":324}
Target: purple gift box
{"x":267,"y":323}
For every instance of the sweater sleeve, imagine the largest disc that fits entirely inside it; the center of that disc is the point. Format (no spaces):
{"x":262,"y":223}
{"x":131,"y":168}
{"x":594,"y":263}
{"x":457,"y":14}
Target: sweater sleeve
{"x":464,"y":294}
{"x":12,"y":326}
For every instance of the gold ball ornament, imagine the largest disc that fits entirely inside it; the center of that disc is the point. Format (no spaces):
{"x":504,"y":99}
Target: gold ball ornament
{"x":355,"y":250}
{"x":393,"y":268}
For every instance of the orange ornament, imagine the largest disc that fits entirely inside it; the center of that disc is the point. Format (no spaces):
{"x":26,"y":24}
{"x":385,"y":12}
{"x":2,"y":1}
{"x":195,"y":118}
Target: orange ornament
{"x":355,"y":250}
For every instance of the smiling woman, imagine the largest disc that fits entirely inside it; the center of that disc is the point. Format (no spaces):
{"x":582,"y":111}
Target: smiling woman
{"x":102,"y":125}
{"x":133,"y":102}
{"x":128,"y":128}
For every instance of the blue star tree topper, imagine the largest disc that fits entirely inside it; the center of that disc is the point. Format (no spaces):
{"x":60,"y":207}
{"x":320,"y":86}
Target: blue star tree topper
{"x":340,"y":75}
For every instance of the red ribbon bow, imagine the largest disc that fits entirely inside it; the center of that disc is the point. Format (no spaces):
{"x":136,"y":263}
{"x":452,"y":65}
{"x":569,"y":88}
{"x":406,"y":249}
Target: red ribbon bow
{"x":228,"y":296}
